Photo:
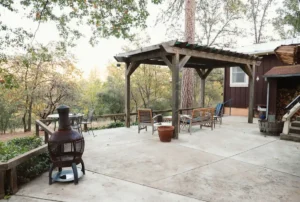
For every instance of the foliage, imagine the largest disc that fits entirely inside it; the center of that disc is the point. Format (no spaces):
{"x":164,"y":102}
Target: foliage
{"x":111,"y":96}
{"x":105,"y":18}
{"x":115,"y":125}
{"x":18,"y":146}
{"x":287,"y":21}
{"x":46,"y":77}
{"x":216,"y":20}
{"x":30,"y":168}
{"x":33,"y":167}
{"x":8,"y":109}
{"x":258,"y":14}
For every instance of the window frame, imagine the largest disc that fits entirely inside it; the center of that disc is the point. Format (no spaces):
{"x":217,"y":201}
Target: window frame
{"x":238,"y":84}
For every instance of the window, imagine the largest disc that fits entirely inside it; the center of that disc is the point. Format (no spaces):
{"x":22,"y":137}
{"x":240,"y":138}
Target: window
{"x":238,"y":78}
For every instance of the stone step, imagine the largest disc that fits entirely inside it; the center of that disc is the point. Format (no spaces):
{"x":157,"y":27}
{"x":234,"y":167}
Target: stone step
{"x":290,"y":137}
{"x":295,"y":130}
{"x":295,"y":124}
{"x":298,"y":118}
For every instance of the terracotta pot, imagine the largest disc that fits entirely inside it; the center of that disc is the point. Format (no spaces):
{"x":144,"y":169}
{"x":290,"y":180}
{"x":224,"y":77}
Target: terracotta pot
{"x":165,"y":133}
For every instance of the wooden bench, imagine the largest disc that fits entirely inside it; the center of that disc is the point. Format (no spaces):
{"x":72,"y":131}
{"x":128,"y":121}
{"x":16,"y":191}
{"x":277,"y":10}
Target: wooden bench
{"x":200,"y":116}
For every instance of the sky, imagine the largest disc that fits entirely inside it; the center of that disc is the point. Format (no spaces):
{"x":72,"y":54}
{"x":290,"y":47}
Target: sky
{"x":99,"y":56}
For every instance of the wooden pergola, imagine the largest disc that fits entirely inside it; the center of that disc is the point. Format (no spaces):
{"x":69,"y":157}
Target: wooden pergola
{"x":178,"y":55}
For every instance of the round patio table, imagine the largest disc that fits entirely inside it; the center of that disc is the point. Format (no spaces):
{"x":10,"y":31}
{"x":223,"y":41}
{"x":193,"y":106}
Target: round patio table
{"x":55,"y":117}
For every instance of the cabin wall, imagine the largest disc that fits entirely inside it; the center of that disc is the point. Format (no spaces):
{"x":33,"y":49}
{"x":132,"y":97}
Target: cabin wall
{"x":240,"y":95}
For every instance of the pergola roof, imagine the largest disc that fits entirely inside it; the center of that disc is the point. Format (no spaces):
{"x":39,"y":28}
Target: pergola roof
{"x":201,"y":56}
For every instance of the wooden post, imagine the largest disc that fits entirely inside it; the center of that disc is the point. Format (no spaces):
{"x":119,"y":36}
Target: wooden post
{"x":46,"y":137}
{"x":268,"y":99}
{"x":175,"y":94}
{"x":37,"y":132}
{"x":127,"y":96}
{"x":2,"y":188}
{"x":12,"y":177}
{"x":203,"y":75}
{"x":251,"y":94}
{"x":202,"y":92}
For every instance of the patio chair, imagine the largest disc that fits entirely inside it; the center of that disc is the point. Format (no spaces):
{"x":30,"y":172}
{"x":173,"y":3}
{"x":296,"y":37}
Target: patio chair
{"x":200,"y":116}
{"x":88,"y":121}
{"x":76,"y":123}
{"x":145,"y":119}
{"x":218,"y":114}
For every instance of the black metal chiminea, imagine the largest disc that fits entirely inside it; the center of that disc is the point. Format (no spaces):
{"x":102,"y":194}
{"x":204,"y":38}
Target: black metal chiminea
{"x":65,"y":146}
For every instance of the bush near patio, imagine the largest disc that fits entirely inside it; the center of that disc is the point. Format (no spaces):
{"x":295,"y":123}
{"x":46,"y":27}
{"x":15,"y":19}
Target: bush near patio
{"x":30,"y":168}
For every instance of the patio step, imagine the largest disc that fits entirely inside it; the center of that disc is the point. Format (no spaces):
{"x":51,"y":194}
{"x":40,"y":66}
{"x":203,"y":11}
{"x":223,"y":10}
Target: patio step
{"x":298,"y":118}
{"x":295,"y":124}
{"x":295,"y":130}
{"x":291,"y":137}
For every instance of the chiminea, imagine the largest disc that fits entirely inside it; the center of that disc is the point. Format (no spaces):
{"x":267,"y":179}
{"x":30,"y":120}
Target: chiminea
{"x":65,"y":146}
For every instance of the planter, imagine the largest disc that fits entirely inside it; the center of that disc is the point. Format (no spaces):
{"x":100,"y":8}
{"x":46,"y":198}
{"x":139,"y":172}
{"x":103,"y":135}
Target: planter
{"x":273,"y":128}
{"x":165,"y":133}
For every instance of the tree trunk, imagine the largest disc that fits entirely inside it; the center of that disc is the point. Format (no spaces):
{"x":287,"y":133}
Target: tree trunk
{"x":187,"y":87}
{"x":29,"y":115}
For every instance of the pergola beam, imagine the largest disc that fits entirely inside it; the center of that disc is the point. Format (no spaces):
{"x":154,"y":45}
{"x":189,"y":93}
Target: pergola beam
{"x":206,"y":55}
{"x":132,"y":67}
{"x":203,"y":75}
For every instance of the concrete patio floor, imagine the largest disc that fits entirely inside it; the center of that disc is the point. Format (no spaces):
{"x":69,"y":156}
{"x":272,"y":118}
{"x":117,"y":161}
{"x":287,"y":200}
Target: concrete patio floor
{"x":234,"y":162}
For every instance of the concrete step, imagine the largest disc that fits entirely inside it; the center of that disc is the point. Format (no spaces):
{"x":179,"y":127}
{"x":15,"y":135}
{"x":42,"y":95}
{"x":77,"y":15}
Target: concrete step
{"x":295,"y":124}
{"x":290,"y":137}
{"x":295,"y":130}
{"x":298,"y":118}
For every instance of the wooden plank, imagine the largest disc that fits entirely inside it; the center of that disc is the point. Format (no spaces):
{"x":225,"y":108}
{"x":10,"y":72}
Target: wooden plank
{"x":251,"y":95}
{"x":12,"y":179}
{"x":167,"y":62}
{"x":202,"y":92}
{"x":200,"y":73}
{"x":46,"y":137}
{"x":146,"y":56}
{"x":44,"y":127}
{"x":2,"y":187}
{"x":37,"y":130}
{"x":247,"y":70}
{"x":175,"y":94}
{"x":183,"y":61}
{"x":207,"y":55}
{"x":132,"y":67}
{"x":24,"y":157}
{"x":127,"y":97}
{"x":207,"y":73}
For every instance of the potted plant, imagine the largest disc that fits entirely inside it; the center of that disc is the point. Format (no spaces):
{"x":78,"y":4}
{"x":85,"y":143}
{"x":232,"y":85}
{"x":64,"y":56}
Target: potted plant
{"x":165,"y":133}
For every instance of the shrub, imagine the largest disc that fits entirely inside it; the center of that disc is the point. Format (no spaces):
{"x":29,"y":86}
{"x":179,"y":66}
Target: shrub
{"x":30,"y":168}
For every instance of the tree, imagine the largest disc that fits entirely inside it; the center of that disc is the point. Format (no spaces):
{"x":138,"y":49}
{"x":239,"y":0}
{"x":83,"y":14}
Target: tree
{"x":187,"y":86}
{"x":44,"y":77}
{"x":287,"y":21}
{"x":258,"y":13}
{"x":217,"y":22}
{"x":105,"y":18}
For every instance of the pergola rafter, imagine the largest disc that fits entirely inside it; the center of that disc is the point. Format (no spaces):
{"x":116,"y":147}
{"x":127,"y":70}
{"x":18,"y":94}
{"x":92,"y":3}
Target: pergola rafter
{"x":177,"y":55}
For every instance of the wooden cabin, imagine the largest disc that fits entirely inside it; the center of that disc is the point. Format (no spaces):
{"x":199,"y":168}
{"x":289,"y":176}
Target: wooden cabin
{"x":236,"y":82}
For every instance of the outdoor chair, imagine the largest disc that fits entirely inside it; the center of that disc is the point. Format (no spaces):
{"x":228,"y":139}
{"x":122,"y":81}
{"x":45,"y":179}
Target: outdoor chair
{"x":200,"y":116}
{"x":88,"y":123}
{"x":76,"y":123}
{"x":145,"y":119}
{"x":218,"y":114}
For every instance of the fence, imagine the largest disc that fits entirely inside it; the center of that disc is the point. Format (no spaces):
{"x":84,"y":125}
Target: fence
{"x":8,"y":171}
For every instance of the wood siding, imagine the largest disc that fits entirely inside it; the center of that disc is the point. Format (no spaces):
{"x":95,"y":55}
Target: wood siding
{"x":240,"y":95}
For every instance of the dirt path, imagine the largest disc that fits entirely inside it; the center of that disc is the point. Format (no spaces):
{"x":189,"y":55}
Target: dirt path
{"x":9,"y":136}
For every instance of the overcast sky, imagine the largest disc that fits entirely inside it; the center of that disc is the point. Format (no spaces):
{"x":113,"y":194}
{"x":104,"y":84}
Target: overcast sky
{"x":98,"y":57}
